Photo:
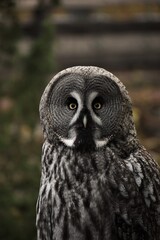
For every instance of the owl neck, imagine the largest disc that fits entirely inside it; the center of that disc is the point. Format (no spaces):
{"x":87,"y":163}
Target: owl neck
{"x":125,"y":141}
{"x":65,"y":162}
{"x":91,"y":162}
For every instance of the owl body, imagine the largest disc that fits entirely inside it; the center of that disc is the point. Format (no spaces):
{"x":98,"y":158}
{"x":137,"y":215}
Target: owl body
{"x":97,"y":181}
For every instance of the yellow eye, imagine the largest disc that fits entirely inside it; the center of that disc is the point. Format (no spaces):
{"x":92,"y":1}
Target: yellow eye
{"x":72,"y":106}
{"x":71,"y":103}
{"x":97,"y":105}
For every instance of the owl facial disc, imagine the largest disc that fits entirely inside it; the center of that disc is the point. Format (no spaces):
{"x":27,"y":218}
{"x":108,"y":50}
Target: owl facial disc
{"x":83,"y":107}
{"x":84,"y":125}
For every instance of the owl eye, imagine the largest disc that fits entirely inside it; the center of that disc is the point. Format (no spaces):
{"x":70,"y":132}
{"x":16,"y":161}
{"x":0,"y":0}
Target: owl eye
{"x":72,"y":103}
{"x":72,"y":106}
{"x":97,"y":103}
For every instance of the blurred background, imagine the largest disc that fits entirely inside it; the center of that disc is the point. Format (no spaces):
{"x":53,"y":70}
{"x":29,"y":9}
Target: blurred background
{"x":40,"y":38}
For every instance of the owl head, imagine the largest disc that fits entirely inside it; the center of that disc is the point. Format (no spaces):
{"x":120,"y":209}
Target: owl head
{"x":86,"y":107}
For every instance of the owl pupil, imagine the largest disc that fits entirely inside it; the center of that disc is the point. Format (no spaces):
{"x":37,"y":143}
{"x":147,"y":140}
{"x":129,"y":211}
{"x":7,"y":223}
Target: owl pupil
{"x":72,"y":103}
{"x":72,"y":106}
{"x":97,"y":103}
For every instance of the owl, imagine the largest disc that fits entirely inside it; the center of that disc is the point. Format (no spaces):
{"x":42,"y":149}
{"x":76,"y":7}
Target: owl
{"x":97,"y":182}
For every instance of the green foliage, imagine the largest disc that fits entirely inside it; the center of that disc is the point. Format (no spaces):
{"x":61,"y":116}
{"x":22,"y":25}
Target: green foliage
{"x":10,"y":33}
{"x":22,"y":83}
{"x":7,"y":4}
{"x":56,"y":2}
{"x":36,"y":68}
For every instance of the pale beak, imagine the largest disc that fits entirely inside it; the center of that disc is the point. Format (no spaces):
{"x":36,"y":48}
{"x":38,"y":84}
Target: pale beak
{"x":85,"y":121}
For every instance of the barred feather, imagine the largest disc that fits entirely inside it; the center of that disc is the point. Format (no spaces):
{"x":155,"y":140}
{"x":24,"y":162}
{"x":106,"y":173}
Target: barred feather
{"x":90,"y":196}
{"x":97,"y":181}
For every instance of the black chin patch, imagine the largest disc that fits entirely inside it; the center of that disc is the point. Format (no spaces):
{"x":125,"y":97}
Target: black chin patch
{"x":84,"y":141}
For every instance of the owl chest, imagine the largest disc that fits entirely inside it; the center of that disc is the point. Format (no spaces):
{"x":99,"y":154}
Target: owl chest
{"x":80,"y":203}
{"x":79,"y":197}
{"x":73,"y":196}
{"x":78,"y":183}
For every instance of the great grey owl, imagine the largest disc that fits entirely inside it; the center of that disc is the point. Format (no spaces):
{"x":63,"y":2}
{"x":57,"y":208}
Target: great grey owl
{"x":97,"y":182}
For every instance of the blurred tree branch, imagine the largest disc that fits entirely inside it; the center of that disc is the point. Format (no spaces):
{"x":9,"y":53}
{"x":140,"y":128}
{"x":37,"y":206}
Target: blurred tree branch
{"x":22,"y":81}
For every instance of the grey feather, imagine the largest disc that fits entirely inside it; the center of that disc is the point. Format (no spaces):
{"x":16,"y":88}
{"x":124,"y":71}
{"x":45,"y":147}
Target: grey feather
{"x":97,"y":181}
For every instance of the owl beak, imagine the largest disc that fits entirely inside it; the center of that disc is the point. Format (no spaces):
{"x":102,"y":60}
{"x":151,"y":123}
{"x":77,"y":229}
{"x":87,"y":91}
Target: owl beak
{"x":85,"y":121}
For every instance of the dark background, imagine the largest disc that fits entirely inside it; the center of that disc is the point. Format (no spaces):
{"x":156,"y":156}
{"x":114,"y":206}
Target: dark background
{"x":40,"y":38}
